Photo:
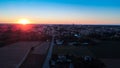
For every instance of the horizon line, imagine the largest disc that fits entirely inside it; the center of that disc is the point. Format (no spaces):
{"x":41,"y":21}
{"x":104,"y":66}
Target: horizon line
{"x":55,"y":24}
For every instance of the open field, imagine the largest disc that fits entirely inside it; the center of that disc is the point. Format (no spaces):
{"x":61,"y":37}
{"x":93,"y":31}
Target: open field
{"x":36,"y":56}
{"x":80,"y":51}
{"x":12,"y":55}
{"x":108,"y":52}
{"x":106,"y":49}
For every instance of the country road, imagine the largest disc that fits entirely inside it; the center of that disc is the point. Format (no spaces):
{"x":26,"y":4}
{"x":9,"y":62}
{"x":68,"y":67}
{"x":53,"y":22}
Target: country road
{"x":49,"y":54}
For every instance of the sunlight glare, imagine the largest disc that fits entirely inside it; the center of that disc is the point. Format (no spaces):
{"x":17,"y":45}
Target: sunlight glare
{"x":24,"y":21}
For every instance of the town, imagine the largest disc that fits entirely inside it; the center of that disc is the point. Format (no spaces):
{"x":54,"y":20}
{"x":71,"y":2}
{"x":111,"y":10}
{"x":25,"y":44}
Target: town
{"x":59,"y":46}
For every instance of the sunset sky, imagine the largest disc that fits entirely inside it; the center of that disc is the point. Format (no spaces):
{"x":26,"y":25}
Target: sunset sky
{"x":61,"y":11}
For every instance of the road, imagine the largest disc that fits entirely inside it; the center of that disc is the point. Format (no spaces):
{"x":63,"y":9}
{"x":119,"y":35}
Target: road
{"x":49,"y":54}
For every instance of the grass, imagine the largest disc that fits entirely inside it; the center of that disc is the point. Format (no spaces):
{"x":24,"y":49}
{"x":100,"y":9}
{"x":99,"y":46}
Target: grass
{"x":79,"y":51}
{"x":106,"y":49}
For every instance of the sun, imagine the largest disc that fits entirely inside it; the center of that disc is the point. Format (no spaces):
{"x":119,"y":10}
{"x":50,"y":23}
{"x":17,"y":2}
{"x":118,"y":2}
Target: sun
{"x":24,"y":21}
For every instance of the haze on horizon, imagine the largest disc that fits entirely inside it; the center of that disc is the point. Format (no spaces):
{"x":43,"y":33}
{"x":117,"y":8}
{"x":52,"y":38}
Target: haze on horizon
{"x":61,"y":11}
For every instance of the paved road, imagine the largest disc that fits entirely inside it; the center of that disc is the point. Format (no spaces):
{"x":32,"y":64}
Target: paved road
{"x":46,"y":62}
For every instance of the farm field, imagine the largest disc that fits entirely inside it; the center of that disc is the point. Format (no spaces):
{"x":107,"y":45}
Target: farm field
{"x":12,"y":55}
{"x":106,"y":51}
{"x":36,"y":56}
{"x":80,"y":51}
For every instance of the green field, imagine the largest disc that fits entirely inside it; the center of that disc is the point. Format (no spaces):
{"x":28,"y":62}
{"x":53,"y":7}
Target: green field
{"x":79,"y":51}
{"x":105,"y":49}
